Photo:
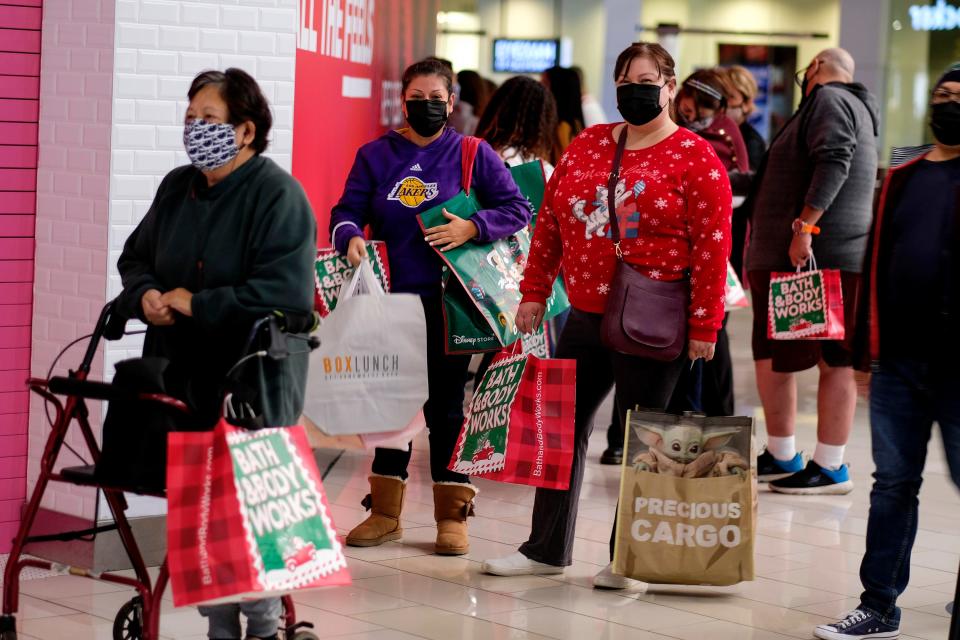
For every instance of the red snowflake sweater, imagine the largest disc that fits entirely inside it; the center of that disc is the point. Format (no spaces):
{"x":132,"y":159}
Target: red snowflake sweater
{"x":673,"y":204}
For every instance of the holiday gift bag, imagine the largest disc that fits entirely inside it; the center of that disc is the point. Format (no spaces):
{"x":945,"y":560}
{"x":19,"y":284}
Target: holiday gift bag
{"x":806,"y":305}
{"x":532,"y":184}
{"x":686,"y":513}
{"x":369,"y":374}
{"x":332,"y":270}
{"x":482,"y":285}
{"x":519,"y":425}
{"x":482,"y":281}
{"x":734,"y":295}
{"x":247,"y":516}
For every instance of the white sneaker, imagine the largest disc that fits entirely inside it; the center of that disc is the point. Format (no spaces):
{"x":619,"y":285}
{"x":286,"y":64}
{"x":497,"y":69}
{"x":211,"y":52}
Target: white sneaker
{"x":607,"y":579}
{"x":517,"y":564}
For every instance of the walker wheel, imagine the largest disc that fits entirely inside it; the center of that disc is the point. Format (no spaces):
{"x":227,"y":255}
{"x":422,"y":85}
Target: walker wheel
{"x":304,"y":635}
{"x":8,"y":628}
{"x":128,"y":625}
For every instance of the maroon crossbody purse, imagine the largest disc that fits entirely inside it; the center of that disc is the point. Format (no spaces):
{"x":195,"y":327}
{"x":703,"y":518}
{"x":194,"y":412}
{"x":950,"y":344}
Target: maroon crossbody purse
{"x":644,"y":317}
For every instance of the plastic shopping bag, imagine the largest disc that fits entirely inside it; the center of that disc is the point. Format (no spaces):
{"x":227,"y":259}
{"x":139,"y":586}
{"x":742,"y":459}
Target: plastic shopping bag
{"x":369,"y":374}
{"x":331,"y":270}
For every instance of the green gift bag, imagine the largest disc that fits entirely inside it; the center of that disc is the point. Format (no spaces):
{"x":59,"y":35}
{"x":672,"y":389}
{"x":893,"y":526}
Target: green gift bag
{"x":481,"y":287}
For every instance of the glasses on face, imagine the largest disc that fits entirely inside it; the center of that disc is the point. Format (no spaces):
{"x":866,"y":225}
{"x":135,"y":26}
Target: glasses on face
{"x":945,"y":95}
{"x":800,"y":76}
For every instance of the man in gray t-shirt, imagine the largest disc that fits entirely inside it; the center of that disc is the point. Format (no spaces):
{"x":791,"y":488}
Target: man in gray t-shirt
{"x":813,"y":202}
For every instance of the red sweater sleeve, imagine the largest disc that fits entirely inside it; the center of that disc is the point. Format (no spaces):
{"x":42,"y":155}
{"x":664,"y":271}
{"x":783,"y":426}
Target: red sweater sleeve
{"x":708,"y":215}
{"x":546,"y":250}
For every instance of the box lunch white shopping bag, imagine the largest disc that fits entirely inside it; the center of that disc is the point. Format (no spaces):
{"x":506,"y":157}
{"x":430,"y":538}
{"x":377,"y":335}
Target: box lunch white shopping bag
{"x":369,"y":374}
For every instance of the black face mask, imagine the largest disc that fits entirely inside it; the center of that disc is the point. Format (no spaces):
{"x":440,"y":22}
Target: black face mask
{"x":945,"y":123}
{"x":639,"y":103}
{"x":426,"y":117}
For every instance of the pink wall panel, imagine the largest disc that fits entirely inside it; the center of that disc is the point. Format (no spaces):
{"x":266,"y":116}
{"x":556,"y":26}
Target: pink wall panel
{"x":13,"y":315}
{"x":20,"y":17}
{"x":20,"y":42}
{"x":11,"y":489}
{"x":18,"y":132}
{"x":17,"y":157}
{"x":12,"y":226}
{"x":14,"y":358}
{"x":14,"y":401}
{"x":13,"y":380}
{"x":24,"y":203}
{"x":21,"y":64}
{"x":18,"y":86}
{"x":15,"y":425}
{"x":11,"y":337}
{"x":18,"y":179}
{"x":19,"y":110}
{"x":16,"y":249}
{"x":16,"y":270}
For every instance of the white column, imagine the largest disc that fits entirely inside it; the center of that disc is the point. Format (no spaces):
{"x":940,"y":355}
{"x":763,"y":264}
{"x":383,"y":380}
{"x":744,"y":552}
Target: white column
{"x":620,"y":29}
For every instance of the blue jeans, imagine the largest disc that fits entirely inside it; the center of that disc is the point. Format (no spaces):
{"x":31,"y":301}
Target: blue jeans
{"x":906,"y":398}
{"x":263,"y":619}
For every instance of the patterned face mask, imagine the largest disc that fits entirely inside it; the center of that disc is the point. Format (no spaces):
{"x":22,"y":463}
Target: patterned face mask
{"x":210,"y":145}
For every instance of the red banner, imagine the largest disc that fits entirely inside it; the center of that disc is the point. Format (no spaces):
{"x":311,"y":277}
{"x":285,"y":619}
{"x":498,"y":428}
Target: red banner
{"x":350,"y":57}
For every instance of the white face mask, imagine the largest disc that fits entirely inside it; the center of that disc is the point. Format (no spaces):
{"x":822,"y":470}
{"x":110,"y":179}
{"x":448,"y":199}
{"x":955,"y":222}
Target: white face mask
{"x":210,"y":145}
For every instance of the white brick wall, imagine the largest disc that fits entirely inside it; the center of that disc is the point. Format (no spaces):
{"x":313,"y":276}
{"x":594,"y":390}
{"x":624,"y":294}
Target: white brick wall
{"x":72,"y":210}
{"x":160,"y":46}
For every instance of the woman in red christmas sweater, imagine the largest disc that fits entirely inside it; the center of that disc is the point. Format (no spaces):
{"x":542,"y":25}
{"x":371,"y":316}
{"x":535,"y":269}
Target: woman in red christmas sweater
{"x":673,"y":207}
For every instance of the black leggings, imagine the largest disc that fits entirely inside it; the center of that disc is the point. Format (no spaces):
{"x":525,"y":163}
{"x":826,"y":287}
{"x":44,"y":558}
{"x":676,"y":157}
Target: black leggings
{"x":446,"y":377}
{"x":638,"y":381}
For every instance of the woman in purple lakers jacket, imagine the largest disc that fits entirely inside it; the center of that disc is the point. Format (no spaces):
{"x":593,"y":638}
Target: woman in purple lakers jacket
{"x":394,"y":179}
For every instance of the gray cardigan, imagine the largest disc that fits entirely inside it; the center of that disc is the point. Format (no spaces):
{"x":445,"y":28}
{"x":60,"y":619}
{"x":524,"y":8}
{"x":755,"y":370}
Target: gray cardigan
{"x":825,"y":157}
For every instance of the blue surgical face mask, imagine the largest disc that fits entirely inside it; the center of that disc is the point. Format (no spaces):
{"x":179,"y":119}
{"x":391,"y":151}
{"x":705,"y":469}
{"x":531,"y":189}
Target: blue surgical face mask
{"x":210,"y":145}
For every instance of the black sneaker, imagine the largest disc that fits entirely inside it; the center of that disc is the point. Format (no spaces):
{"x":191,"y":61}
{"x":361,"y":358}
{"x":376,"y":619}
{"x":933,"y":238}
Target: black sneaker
{"x":613,"y":455}
{"x":859,"y":624}
{"x":815,"y":480}
{"x":769,"y":468}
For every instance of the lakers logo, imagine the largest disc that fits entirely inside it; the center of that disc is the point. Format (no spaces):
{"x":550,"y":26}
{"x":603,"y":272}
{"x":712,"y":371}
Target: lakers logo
{"x":412,"y":192}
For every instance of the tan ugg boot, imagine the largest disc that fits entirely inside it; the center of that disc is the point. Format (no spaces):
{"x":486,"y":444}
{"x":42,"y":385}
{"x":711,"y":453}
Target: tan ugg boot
{"x":384,"y":502}
{"x":452,"y":505}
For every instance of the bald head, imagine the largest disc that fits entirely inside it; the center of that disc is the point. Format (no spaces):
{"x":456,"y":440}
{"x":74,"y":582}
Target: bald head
{"x":837,"y":63}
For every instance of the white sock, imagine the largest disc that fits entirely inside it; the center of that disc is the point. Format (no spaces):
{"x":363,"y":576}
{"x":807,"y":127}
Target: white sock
{"x":829,"y":456}
{"x":783,"y":449}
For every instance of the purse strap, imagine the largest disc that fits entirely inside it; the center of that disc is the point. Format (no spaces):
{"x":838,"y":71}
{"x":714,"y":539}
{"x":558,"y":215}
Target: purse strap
{"x":612,"y":190}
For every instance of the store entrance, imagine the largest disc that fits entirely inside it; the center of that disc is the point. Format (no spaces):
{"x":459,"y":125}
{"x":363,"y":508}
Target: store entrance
{"x":774,"y":68}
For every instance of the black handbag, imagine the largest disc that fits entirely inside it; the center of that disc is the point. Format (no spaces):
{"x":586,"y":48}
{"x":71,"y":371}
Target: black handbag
{"x":644,"y":317}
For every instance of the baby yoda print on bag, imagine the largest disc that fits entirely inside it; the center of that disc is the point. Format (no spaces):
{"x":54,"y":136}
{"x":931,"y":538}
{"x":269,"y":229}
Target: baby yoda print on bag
{"x":687,"y":508}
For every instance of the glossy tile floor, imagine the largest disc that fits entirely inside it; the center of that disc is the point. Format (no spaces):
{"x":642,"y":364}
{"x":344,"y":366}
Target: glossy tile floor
{"x":808,"y":553}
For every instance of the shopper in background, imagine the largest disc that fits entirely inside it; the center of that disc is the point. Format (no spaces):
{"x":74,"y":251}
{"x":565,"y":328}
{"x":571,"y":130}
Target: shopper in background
{"x":592,"y":111}
{"x":473,"y":92}
{"x":394,"y":179}
{"x":673,"y":207}
{"x":740,"y":88}
{"x":199,"y":298}
{"x":564,"y":84}
{"x":702,"y":108}
{"x":823,"y":164}
{"x":520,"y":123}
{"x":909,"y":317}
